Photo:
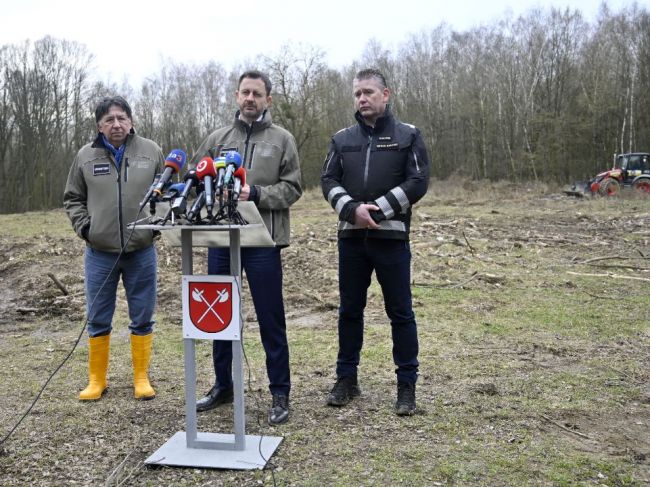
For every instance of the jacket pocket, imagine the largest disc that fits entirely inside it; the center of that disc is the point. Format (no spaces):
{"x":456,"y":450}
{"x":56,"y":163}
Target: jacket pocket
{"x":103,"y":232}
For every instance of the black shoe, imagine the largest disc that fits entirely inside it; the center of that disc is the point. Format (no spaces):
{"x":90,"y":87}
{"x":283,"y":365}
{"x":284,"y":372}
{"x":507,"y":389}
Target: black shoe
{"x":405,"y":405}
{"x":343,"y":391}
{"x":215,"y":397}
{"x":279,"y":412}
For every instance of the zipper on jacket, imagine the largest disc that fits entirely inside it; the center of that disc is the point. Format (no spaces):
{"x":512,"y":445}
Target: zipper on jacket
{"x":249,"y":131}
{"x":119,"y":203}
{"x":126,"y":169}
{"x":367,"y":167}
{"x":250,"y":159}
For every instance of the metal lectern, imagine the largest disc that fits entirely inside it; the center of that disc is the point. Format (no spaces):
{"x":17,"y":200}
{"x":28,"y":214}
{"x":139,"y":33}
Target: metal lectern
{"x":192,"y":448}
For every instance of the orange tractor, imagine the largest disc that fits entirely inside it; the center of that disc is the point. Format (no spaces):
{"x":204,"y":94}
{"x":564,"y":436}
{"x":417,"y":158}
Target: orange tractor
{"x":630,"y":170}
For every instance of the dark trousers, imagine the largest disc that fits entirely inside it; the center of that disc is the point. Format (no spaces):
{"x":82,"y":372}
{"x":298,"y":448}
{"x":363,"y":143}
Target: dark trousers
{"x":263,"y":270}
{"x":391,"y":261}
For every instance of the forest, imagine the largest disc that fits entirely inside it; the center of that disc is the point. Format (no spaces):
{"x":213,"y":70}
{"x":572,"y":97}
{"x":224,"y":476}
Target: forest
{"x":546,"y":96}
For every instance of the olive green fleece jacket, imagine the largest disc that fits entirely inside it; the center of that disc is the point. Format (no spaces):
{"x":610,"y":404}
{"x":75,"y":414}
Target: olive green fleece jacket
{"x":101,"y":200}
{"x":270,"y":158}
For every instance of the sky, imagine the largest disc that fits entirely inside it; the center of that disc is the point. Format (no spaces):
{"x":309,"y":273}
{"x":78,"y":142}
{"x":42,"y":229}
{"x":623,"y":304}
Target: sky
{"x":134,"y":39}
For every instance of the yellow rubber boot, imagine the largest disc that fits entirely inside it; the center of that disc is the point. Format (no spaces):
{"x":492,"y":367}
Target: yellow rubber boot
{"x":98,"y":348}
{"x":141,"y":354}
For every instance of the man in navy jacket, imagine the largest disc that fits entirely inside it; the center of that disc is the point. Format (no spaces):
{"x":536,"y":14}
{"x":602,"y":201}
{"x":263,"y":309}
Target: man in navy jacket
{"x":374,"y":172}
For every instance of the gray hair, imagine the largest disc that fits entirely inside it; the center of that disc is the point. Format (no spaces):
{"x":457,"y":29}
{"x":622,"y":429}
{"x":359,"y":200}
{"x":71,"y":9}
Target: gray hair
{"x":372,"y":73}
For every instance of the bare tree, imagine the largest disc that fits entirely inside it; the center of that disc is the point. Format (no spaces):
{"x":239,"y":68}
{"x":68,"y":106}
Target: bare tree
{"x":541,"y":96}
{"x":299,"y":78}
{"x":43,"y":91}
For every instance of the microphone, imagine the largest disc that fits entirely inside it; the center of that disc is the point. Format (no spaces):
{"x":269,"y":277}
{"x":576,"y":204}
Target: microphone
{"x":174,"y":163}
{"x":199,"y":203}
{"x":147,"y":196}
{"x":205,"y":171}
{"x":220,"y":168}
{"x":240,"y":181}
{"x":173,"y":191}
{"x":233,"y":162}
{"x":180,"y":203}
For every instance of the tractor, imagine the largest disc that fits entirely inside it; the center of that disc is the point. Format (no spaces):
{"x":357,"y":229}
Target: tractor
{"x":630,"y":170}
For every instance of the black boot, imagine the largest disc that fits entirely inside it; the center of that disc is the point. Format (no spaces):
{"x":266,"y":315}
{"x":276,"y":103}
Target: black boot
{"x":345,"y":389}
{"x":215,"y":397}
{"x":279,"y":412}
{"x":405,"y":405}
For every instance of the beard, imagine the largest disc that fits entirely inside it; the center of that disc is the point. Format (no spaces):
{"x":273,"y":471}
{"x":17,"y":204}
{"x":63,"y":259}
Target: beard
{"x":251,"y":112}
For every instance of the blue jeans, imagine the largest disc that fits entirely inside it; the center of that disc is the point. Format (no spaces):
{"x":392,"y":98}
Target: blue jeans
{"x":138,"y":272}
{"x":391,"y":261}
{"x":263,"y":268}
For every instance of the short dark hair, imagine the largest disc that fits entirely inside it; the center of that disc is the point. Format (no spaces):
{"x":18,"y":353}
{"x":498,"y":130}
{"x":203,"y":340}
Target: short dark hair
{"x":105,"y":105}
{"x":372,"y":73}
{"x":254,"y":74}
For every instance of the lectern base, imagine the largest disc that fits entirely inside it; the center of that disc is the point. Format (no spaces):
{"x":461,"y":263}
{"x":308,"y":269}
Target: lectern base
{"x":176,"y":453}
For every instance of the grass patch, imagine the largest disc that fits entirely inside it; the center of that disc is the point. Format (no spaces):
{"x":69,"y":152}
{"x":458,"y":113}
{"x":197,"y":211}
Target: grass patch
{"x":532,"y":314}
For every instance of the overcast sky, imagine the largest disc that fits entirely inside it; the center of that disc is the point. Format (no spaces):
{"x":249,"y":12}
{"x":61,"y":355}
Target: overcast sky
{"x":134,"y":38}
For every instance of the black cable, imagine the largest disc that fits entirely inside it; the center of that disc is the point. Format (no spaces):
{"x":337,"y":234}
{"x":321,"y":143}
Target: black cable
{"x":267,"y":461}
{"x":74,"y":346}
{"x":45,"y":385}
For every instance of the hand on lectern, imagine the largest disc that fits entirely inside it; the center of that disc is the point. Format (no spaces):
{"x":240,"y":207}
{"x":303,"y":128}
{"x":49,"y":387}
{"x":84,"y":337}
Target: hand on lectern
{"x":244,"y":193}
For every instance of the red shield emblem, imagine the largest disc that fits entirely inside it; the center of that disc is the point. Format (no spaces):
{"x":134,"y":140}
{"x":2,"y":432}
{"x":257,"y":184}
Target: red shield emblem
{"x":210,"y":305}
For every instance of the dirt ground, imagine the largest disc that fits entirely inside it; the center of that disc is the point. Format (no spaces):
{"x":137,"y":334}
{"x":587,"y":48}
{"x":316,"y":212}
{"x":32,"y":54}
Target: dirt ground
{"x":533,"y":306}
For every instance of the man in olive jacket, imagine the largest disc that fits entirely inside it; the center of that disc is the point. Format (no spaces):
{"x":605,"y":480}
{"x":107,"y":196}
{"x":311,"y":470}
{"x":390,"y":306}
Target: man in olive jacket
{"x":270,"y":157}
{"x":106,"y":182}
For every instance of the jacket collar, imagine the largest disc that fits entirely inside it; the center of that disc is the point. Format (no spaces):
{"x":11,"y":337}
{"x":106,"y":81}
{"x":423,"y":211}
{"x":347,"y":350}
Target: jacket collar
{"x":257,"y":125}
{"x":381,"y":123}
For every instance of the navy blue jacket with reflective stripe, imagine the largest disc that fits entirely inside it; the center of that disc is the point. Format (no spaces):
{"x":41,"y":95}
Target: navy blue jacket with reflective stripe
{"x":386,"y":165}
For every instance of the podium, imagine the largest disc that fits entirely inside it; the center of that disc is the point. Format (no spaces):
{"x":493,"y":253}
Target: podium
{"x":192,"y":448}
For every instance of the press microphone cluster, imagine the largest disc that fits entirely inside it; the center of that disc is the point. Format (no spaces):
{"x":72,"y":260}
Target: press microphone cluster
{"x":217,"y":184}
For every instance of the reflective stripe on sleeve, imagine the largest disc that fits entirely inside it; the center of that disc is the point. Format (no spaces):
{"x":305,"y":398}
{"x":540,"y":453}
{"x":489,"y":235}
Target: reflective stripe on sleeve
{"x":334,"y":192}
{"x":401,"y":197}
{"x":385,"y":207}
{"x":341,"y":203}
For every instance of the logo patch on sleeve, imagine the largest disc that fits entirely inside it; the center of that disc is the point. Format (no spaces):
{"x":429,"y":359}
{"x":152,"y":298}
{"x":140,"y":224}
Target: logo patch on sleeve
{"x":101,"y":169}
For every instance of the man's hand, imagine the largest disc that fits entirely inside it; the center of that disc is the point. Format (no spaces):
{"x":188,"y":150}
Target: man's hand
{"x":362,"y":216}
{"x":244,"y":193}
